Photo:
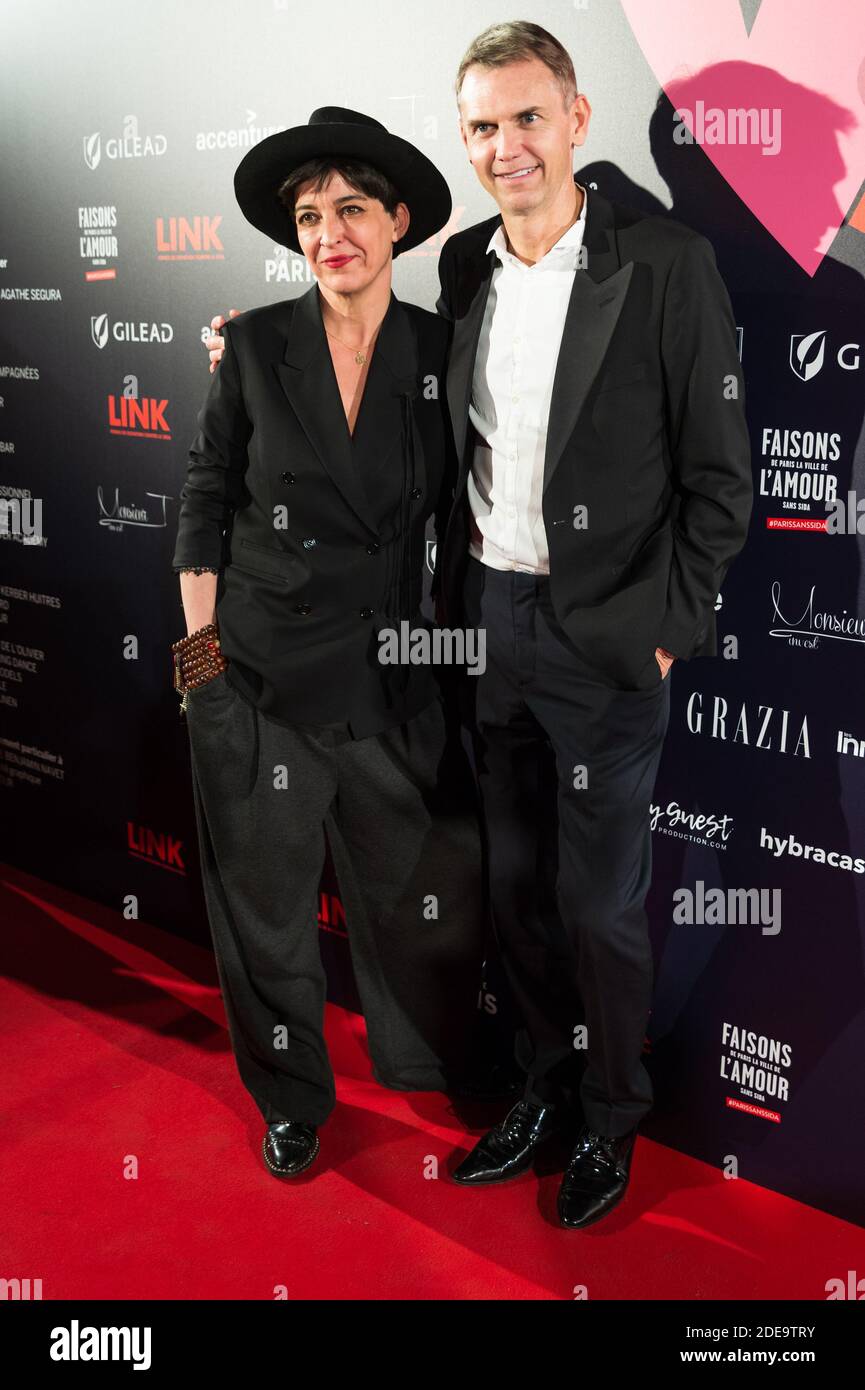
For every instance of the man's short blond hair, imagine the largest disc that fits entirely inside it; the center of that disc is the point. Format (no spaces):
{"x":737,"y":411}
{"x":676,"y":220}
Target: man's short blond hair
{"x":514,"y":41}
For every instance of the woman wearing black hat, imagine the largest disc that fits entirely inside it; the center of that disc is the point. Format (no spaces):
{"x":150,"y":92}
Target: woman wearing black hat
{"x":323,"y":447}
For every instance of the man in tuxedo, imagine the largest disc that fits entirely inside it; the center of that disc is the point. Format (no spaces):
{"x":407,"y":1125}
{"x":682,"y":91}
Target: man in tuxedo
{"x":604,"y":487}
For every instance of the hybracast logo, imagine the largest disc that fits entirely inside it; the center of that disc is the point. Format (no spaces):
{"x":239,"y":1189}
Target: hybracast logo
{"x":795,"y":849}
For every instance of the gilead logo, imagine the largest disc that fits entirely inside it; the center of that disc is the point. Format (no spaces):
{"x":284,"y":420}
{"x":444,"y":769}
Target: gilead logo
{"x":189,"y":238}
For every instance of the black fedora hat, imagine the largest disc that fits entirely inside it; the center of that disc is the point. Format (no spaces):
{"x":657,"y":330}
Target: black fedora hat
{"x":332,"y":130}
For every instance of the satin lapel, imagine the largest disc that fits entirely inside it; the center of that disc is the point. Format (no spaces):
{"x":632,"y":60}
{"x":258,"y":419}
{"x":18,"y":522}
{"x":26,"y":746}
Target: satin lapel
{"x":307,"y":376}
{"x":464,"y":347}
{"x":595,"y":304}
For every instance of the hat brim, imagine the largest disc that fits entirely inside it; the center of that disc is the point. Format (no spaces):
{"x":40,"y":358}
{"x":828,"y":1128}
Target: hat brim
{"x":268,"y":164}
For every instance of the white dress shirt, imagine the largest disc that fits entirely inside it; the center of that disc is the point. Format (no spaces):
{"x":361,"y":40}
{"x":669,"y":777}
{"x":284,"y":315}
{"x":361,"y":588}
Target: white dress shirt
{"x":512,"y":388}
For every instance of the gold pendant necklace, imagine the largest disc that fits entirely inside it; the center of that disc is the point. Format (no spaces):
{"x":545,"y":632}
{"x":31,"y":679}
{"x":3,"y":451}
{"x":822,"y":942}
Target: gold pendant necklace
{"x":359,"y":353}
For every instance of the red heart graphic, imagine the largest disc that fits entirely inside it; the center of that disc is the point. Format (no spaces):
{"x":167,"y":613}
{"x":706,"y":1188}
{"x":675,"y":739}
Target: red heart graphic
{"x":779,"y":112}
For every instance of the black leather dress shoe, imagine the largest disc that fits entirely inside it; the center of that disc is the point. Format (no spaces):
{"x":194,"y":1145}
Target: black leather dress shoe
{"x":507,"y":1150}
{"x":289,"y":1147}
{"x":596,"y":1178}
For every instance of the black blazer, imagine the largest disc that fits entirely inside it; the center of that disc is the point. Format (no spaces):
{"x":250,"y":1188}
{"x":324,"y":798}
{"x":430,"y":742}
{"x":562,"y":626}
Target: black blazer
{"x":647,"y":431}
{"x":305,"y":523}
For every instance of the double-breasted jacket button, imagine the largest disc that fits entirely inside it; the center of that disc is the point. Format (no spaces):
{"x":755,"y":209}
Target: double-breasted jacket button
{"x":367,"y":612}
{"x":288,"y":477}
{"x":373,"y":548}
{"x":303,"y":608}
{"x":309,"y":543}
{"x":415,"y":493}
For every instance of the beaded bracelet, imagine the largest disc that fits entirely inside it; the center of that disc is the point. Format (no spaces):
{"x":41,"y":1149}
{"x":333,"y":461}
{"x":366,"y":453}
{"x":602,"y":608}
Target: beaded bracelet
{"x":196,"y":659}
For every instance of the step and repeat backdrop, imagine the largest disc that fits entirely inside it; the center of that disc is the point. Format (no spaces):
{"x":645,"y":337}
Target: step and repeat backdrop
{"x":120,"y":238}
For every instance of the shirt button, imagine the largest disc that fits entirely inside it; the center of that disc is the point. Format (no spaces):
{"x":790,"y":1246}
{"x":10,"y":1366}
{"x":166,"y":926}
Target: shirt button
{"x":366,"y":612}
{"x":302,"y":608}
{"x":287,"y":477}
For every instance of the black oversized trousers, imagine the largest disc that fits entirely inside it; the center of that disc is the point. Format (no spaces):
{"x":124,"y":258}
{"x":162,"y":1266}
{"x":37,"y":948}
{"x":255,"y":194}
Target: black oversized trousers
{"x":405,"y":845}
{"x":566,"y":766}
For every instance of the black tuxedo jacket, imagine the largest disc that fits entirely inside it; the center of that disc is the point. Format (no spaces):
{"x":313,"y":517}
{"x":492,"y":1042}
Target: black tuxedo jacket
{"x":647,"y":431}
{"x":305,"y":522}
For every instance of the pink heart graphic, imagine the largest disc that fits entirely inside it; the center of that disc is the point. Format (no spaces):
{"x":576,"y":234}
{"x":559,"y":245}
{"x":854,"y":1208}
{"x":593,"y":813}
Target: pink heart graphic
{"x":802,"y":69}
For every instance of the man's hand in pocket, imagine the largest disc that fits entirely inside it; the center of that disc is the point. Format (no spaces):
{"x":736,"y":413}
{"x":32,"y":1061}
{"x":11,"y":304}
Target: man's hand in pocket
{"x":665,"y":660}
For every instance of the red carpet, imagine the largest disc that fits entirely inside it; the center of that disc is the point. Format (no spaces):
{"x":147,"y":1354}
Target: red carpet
{"x":116,"y":1059}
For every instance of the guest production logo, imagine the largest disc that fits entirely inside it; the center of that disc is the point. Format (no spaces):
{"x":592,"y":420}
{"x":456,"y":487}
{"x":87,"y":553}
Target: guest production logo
{"x":699,"y":828}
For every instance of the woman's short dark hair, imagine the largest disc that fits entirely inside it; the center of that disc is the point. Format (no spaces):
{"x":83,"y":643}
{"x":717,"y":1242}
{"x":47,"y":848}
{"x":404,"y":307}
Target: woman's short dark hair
{"x":359,"y":174}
